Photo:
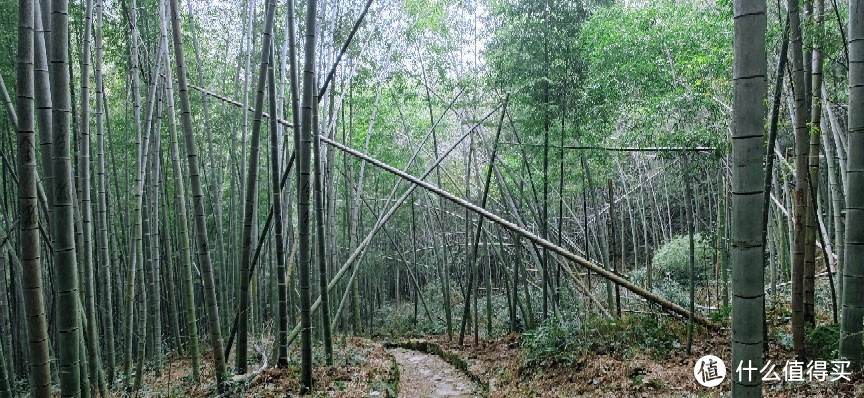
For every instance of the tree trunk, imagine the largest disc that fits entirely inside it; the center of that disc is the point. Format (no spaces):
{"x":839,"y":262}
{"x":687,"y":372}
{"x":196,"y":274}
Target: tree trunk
{"x":304,"y":159}
{"x":473,"y":259}
{"x":136,"y":111}
{"x":251,"y":200}
{"x":68,"y":321}
{"x":282,"y":320}
{"x":31,"y":278}
{"x":809,"y":284}
{"x":801,"y":195}
{"x":321,"y":255}
{"x":691,"y":256}
{"x":837,"y":200}
{"x":107,"y":318}
{"x":212,"y":307}
{"x":188,"y":287}
{"x":748,"y":273}
{"x":155,"y":305}
{"x":215,"y":178}
{"x":853,"y":274}
{"x":92,"y":332}
{"x":43,"y":107}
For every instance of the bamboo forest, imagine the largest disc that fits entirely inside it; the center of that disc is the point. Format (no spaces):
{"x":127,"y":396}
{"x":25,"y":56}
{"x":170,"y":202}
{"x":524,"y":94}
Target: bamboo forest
{"x":431,"y":198}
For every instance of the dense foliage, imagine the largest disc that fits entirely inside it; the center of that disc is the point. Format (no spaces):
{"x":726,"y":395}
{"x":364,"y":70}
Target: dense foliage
{"x":590,"y":132}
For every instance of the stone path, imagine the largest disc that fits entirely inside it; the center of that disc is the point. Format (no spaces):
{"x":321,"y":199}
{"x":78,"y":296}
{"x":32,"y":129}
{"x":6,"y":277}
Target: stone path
{"x":428,"y":376}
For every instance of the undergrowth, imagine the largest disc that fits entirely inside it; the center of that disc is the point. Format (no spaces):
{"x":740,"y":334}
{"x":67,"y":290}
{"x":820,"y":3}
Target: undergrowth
{"x":568,"y":343}
{"x":822,"y":342}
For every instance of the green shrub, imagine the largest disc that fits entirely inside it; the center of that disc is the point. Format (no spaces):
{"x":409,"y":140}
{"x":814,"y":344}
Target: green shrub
{"x":822,"y":342}
{"x":673,"y":257}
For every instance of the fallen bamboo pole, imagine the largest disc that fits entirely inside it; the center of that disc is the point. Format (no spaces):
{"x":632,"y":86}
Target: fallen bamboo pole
{"x":619,"y":280}
{"x":665,"y":304}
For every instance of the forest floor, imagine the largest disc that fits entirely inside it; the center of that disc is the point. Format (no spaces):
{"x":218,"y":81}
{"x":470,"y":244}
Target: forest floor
{"x":499,"y":364}
{"x":635,"y":363}
{"x":362,"y":368}
{"x":438,"y":367}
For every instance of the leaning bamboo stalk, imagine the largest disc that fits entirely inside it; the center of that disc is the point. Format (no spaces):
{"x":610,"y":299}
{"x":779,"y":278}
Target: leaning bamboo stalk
{"x":674,"y":308}
{"x":343,"y":50}
{"x":772,"y":135}
{"x":580,"y":283}
{"x":237,"y":104}
{"x":261,"y":239}
{"x":401,"y":258}
{"x":7,"y":102}
{"x":360,"y":250}
{"x":836,"y":195}
{"x":667,"y":305}
{"x":840,"y":143}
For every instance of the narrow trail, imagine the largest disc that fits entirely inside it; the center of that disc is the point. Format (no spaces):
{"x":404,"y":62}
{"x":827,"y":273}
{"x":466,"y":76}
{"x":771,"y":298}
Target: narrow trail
{"x":428,"y":376}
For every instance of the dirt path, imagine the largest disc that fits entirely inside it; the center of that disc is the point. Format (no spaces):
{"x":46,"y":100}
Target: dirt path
{"x":424,"y":376}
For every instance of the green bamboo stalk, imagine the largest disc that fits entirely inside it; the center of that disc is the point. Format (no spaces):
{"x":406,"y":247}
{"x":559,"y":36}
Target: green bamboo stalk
{"x":746,"y":254}
{"x":31,"y":277}
{"x":204,"y":262}
{"x":65,"y":260}
{"x":251,"y":200}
